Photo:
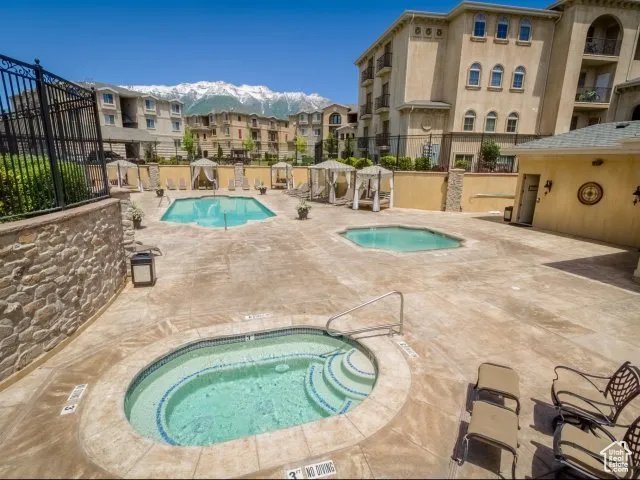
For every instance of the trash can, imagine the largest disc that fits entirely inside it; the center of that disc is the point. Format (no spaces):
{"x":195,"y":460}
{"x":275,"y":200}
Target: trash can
{"x":508,"y":213}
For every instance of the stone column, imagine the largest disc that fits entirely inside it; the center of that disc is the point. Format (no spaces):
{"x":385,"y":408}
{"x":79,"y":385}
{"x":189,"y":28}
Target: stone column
{"x":126,"y":217}
{"x":636,"y":274}
{"x":454,"y":190}
{"x":154,"y":175}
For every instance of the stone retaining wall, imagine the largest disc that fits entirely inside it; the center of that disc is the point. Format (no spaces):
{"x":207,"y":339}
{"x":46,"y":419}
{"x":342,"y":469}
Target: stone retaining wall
{"x":56,"y":271}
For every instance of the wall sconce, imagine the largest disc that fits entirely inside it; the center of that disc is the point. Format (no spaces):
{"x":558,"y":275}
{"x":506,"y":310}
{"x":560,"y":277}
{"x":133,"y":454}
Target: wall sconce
{"x":636,"y":194}
{"x":547,"y":186}
{"x":597,"y":162}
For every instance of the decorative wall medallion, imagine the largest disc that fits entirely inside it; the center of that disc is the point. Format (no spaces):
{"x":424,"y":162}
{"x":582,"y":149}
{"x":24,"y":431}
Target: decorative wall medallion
{"x":427,"y":32}
{"x":417,"y":31}
{"x":590,"y":193}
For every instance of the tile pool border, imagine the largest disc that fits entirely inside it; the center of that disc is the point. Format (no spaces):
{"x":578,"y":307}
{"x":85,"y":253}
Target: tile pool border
{"x":196,"y":224}
{"x":340,"y":232}
{"x":112,"y":443}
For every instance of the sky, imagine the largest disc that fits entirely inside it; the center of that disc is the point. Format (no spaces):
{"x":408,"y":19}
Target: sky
{"x":288,"y":45}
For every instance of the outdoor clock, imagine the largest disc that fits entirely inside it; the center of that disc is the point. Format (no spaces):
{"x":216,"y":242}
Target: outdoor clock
{"x":590,"y":193}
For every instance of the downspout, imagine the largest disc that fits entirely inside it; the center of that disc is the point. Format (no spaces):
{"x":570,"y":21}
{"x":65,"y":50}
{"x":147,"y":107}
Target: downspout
{"x":546,"y":81}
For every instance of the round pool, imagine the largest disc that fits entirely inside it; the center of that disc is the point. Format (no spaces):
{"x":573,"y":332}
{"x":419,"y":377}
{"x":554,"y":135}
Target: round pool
{"x":216,"y":390}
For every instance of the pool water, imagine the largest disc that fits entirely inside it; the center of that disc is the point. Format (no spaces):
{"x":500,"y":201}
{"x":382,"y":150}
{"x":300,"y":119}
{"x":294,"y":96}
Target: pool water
{"x":210,"y":211}
{"x":400,"y":239}
{"x":218,"y":390}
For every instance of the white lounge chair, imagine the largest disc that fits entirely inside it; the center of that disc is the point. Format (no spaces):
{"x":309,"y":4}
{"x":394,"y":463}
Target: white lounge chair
{"x":257,"y":184}
{"x":145,"y":184}
{"x":245,"y":183}
{"x":319,"y":192}
{"x":232,"y":184}
{"x":302,"y":191}
{"x":170,"y":184}
{"x":181,"y":184}
{"x":346,"y":198}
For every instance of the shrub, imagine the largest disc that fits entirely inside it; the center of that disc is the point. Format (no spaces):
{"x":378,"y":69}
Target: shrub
{"x":423,"y":163}
{"x":307,"y":160}
{"x":405,"y":163}
{"x":388,"y":161}
{"x":362,"y":162}
{"x":462,"y":164}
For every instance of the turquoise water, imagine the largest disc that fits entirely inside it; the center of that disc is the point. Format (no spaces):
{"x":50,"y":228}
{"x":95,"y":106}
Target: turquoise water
{"x":400,"y":239}
{"x":210,"y":211}
{"x":214,"y":393}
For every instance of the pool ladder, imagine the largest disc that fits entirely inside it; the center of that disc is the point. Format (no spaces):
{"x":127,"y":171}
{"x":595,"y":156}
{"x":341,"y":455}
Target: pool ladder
{"x":390,"y":326}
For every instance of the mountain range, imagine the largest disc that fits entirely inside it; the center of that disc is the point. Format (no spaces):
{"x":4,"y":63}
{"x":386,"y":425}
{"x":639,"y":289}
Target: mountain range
{"x":204,"y":97}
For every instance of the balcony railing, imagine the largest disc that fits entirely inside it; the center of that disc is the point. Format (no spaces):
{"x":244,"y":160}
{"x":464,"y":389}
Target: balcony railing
{"x":602,"y":46}
{"x":382,"y":140}
{"x":367,"y":74}
{"x":365,"y":109}
{"x":383,"y":61}
{"x":382,"y":101}
{"x":593,"y":94}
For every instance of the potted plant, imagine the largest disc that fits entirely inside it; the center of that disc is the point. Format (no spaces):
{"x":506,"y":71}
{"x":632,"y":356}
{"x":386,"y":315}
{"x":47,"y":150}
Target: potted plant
{"x":262,"y":189}
{"x":160,"y":192}
{"x":137,"y":215}
{"x":303,"y":209}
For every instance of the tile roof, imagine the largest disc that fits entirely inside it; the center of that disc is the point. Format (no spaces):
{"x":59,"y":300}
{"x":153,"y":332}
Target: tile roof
{"x":602,"y":135}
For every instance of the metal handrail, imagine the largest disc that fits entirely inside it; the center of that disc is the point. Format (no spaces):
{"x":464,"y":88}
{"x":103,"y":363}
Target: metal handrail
{"x":390,"y":326}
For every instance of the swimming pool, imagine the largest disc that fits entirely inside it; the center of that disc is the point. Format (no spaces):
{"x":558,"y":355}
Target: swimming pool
{"x":216,"y":390}
{"x":400,"y":239}
{"x":211,"y":211}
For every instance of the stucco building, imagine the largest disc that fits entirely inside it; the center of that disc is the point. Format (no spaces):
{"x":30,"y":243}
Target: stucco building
{"x":502,"y":70}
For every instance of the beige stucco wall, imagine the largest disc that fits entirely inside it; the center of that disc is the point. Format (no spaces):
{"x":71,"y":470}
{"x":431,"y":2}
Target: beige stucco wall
{"x":422,"y":190}
{"x":175,"y":172}
{"x":614,"y":219}
{"x":475,"y":184}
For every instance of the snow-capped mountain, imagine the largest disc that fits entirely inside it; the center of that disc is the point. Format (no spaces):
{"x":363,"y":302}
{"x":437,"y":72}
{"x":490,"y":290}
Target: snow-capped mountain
{"x":204,"y":97}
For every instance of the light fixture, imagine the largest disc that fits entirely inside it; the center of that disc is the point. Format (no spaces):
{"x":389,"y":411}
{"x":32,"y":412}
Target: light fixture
{"x":597,"y":162}
{"x":636,"y":194}
{"x":547,"y":186}
{"x":143,"y":269}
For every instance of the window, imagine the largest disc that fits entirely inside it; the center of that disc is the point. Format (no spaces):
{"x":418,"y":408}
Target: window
{"x":342,"y":136}
{"x":316,"y":117}
{"x":303,"y":132}
{"x":479,"y":25}
{"x":239,"y":119}
{"x":175,"y":108}
{"x":176,"y":126}
{"x":239,"y":132}
{"x":502,"y":29}
{"x":336,"y":119}
{"x":496,"y":76}
{"x":151,"y":123}
{"x":227,"y":131}
{"x":149,"y":104}
{"x":303,"y":117}
{"x":204,"y":136}
{"x":107,"y":98}
{"x":205,"y":153}
{"x":225,"y":116}
{"x":490,"y":122}
{"x":177,"y":143}
{"x":581,"y":79}
{"x":316,"y":132}
{"x":463,"y":161}
{"x":524,"y":34}
{"x":469,"y":121}
{"x":109,"y":119}
{"x":474,"y":75}
{"x":213,"y":131}
{"x":518,"y":78}
{"x":512,"y":123}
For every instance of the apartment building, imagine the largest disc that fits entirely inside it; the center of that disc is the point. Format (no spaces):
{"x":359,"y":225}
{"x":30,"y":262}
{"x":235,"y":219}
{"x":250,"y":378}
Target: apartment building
{"x":501,"y":70}
{"x":228,"y":131}
{"x":130,"y":120}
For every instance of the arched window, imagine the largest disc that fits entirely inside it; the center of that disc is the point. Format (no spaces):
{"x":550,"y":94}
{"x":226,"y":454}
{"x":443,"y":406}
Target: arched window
{"x":496,"y":76}
{"x":502,"y":28}
{"x":524,"y":33}
{"x":469,"y":121}
{"x":479,"y":25}
{"x":474,"y":75}
{"x":518,"y":78}
{"x":490,"y":122}
{"x":512,"y":122}
{"x":335,"y":119}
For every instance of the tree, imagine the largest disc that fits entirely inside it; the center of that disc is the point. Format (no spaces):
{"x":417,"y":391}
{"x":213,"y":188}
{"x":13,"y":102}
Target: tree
{"x":220,"y":152}
{"x":331,"y":146}
{"x":348,"y":151}
{"x":300,"y":145}
{"x":489,"y":154}
{"x":149,"y":154}
{"x":188,"y":143}
{"x":249,"y":145}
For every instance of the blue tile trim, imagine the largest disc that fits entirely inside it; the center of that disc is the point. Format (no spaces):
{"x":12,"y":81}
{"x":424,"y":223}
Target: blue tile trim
{"x":329,"y":365}
{"x":351,"y":365}
{"x":315,"y":393}
{"x":346,"y":407}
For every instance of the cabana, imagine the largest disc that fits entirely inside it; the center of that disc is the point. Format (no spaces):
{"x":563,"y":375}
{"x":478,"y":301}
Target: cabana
{"x":206,"y":165}
{"x":371,"y":177}
{"x":331,"y":170}
{"x":122,"y":166}
{"x":287,"y":181}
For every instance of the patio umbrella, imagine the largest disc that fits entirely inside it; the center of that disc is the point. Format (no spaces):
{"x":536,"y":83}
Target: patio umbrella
{"x":121,"y":165}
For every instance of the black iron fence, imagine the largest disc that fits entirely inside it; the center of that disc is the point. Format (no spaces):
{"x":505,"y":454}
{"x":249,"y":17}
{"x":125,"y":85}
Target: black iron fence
{"x":602,"y":46}
{"x":475,"y":152}
{"x":51,"y":154}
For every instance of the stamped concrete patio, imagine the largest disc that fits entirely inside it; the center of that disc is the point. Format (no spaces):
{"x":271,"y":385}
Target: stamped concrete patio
{"x":524,"y":298}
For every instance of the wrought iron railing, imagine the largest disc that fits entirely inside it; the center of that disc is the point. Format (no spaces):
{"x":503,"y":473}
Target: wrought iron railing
{"x":51,"y":153}
{"x":593,"y":94}
{"x":382,"y":140}
{"x":365,"y":109}
{"x":383,"y":61}
{"x":382,"y":101}
{"x":366,"y":74}
{"x":602,"y":46}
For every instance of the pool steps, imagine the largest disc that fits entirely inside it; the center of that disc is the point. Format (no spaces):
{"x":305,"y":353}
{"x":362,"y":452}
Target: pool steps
{"x":341,"y":383}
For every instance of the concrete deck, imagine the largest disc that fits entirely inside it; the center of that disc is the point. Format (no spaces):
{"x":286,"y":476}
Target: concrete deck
{"x":516,"y":296}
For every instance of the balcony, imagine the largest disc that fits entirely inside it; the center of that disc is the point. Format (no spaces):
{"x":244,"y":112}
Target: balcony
{"x":226,"y":121}
{"x":366,"y":77}
{"x":593,"y":97}
{"x":382,"y":102}
{"x":253,"y":125}
{"x":303,"y":122}
{"x":383,"y":64}
{"x":316,"y":120}
{"x":602,"y":46}
{"x":365,"y":110}
{"x":382,"y":140}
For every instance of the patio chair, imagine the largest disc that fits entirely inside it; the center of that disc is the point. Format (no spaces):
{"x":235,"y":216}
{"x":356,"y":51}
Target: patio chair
{"x":579,"y":399}
{"x":145,"y":184}
{"x":181,"y":184}
{"x":303,"y":191}
{"x":257,"y":184}
{"x":170,"y":184}
{"x":582,"y":450}
{"x":318,"y":193}
{"x":500,"y":381}
{"x":232,"y":184}
{"x":494,"y":425}
{"x":346,"y":198}
{"x":245,"y":183}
